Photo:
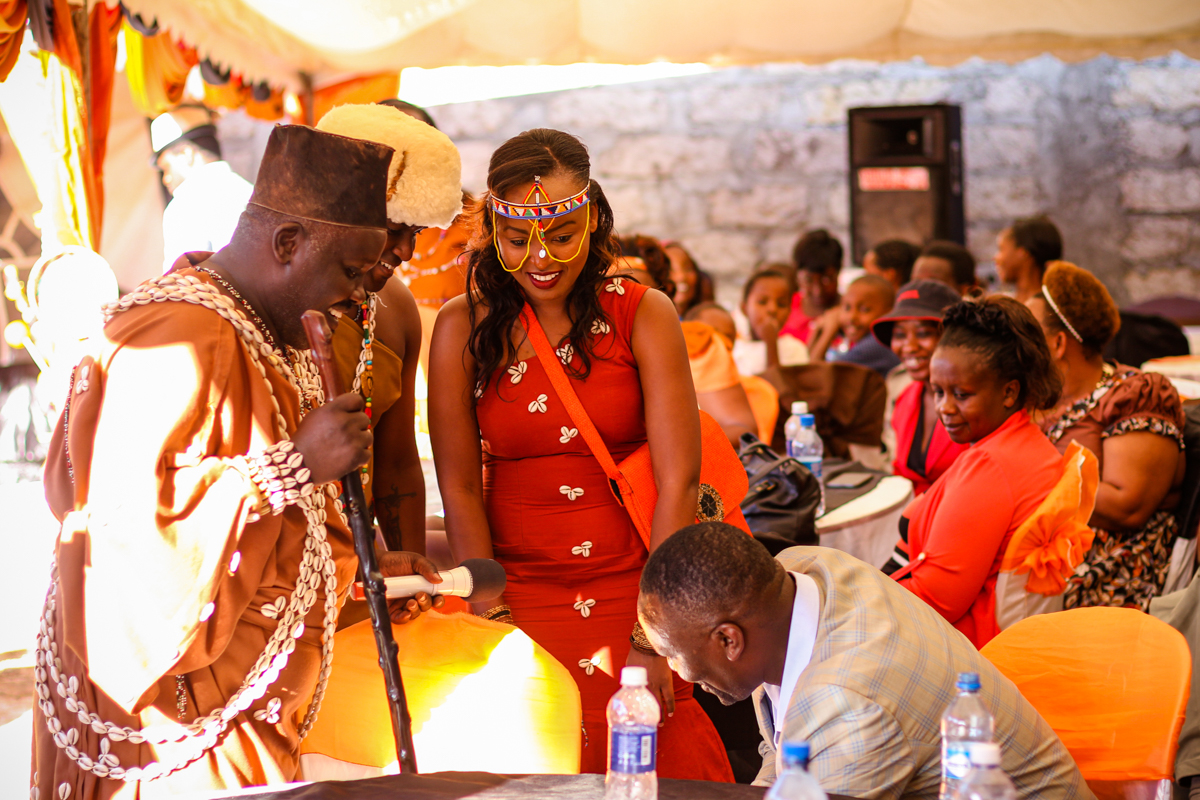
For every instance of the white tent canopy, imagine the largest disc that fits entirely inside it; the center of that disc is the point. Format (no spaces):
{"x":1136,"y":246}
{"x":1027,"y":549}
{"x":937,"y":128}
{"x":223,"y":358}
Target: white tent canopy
{"x":277,"y":40}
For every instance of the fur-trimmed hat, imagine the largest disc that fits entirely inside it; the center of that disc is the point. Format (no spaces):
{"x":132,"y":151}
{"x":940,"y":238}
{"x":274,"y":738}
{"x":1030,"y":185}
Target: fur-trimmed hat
{"x":425,"y":177}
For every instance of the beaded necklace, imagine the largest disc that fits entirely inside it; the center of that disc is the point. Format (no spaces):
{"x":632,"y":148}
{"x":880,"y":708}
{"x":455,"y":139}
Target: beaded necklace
{"x":364,"y":378}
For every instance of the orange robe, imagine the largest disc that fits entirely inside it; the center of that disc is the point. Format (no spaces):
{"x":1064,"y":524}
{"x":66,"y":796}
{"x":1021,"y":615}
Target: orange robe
{"x":160,"y":574}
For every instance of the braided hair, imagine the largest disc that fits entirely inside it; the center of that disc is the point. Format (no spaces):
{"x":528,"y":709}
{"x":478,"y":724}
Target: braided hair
{"x":1007,"y":335}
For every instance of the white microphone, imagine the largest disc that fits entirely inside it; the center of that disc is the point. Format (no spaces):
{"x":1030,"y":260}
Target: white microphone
{"x":474,"y":580}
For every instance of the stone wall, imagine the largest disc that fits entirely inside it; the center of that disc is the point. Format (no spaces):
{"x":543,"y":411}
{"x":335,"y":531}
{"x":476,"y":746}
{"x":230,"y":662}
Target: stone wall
{"x":737,"y":163}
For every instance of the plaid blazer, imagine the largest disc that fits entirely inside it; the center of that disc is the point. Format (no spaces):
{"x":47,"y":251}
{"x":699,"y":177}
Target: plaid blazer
{"x":882,"y":672}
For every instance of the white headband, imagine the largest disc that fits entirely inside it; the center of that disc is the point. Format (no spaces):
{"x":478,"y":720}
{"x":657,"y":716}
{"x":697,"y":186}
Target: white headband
{"x":1053,"y":305}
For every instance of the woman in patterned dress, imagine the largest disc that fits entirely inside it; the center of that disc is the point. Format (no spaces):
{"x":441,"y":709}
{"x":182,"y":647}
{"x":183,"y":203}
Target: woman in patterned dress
{"x":518,"y":482}
{"x":1133,"y":422}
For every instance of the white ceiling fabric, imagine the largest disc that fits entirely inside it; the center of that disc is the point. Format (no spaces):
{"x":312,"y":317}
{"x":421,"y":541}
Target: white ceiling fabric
{"x":276,"y":40}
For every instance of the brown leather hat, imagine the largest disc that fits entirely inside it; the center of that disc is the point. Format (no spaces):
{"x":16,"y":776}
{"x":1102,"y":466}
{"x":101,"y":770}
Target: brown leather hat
{"x":324,"y":177}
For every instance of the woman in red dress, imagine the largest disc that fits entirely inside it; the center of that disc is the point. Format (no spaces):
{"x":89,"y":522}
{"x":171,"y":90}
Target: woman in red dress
{"x":518,"y":482}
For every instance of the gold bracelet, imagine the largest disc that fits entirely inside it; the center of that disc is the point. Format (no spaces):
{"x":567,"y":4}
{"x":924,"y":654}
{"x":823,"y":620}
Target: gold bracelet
{"x":639,"y":641}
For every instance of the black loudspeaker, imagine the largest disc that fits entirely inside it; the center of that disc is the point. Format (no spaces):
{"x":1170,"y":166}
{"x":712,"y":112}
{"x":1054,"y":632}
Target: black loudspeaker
{"x":906,"y":176}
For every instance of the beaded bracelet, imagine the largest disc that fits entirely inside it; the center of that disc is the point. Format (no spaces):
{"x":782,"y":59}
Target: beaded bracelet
{"x":280,"y":475}
{"x":638,"y":641}
{"x":500,"y":613}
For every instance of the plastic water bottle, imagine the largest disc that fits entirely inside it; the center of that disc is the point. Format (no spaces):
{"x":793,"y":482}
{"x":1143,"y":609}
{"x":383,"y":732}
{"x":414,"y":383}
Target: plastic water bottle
{"x":986,"y":781}
{"x":632,"y":740}
{"x":805,"y":445}
{"x":795,"y":783}
{"x":965,"y":722}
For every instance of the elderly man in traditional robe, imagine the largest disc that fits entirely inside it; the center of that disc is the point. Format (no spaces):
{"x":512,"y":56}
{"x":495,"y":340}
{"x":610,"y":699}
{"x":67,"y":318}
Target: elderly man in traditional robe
{"x":187,"y":632}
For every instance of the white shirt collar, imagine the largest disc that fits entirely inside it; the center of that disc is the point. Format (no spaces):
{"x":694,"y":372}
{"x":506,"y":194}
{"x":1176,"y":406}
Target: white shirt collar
{"x":802,"y":638}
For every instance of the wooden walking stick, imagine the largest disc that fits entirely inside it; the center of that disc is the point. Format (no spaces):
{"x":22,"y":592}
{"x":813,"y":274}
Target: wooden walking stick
{"x":320,"y":340}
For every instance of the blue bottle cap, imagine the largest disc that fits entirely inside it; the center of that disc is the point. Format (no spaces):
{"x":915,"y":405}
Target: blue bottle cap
{"x":968,"y":681}
{"x":808,"y":420}
{"x":795,"y":753}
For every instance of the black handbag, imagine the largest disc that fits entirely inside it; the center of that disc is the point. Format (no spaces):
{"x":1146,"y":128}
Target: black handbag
{"x":781,"y":505}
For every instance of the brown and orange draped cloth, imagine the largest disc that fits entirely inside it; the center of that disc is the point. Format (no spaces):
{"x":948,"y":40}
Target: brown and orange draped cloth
{"x":187,"y":626}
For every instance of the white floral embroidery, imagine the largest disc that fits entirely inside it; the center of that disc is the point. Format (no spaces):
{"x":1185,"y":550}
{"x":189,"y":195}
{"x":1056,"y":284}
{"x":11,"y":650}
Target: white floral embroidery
{"x":565,"y":354}
{"x":538,"y":405}
{"x":567,"y":434}
{"x":517,"y":371}
{"x":270,"y":714}
{"x":615,"y":286}
{"x":584,"y":607}
{"x":589,"y":665}
{"x":584,"y":549}
{"x":569,"y":492}
{"x":273,"y":610}
{"x":600,"y":327}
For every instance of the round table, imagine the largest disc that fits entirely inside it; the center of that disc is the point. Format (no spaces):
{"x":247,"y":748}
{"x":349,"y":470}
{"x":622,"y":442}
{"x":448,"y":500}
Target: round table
{"x":868,"y":526}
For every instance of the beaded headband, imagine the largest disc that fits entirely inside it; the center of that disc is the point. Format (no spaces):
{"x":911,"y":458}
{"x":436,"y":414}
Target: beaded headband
{"x":1061,"y":316}
{"x":539,"y":209}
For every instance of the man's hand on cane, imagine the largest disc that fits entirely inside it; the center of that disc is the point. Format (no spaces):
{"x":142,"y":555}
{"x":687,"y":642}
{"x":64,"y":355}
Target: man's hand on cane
{"x":335,"y":439}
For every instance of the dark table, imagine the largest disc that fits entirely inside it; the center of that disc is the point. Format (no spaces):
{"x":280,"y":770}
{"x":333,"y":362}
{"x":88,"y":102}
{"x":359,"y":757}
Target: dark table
{"x":486,"y":786}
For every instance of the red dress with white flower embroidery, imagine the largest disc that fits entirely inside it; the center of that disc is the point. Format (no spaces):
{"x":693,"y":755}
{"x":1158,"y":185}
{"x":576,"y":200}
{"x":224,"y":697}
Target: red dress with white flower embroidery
{"x":572,"y":555}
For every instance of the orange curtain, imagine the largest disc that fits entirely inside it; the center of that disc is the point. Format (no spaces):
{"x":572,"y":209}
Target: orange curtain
{"x":103,"y":27}
{"x":364,"y":89}
{"x":234,"y":95}
{"x":13,"y":14}
{"x":157,"y":69}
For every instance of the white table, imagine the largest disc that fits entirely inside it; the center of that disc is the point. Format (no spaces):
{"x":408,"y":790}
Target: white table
{"x":868,"y":526}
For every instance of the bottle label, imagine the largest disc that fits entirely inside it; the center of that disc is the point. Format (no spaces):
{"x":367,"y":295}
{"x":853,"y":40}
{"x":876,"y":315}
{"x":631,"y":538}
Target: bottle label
{"x":813,"y":465}
{"x":958,"y":761}
{"x":632,"y":753}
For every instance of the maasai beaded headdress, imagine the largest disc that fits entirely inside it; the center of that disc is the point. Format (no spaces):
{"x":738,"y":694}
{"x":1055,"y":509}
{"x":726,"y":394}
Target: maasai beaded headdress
{"x":1054,"y":306}
{"x":539,"y":209}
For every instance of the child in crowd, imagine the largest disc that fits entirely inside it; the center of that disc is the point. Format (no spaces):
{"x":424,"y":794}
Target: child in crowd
{"x":949,"y":263}
{"x":766,"y":303}
{"x":867,"y":299}
{"x":817,"y":258}
{"x":892,"y":260}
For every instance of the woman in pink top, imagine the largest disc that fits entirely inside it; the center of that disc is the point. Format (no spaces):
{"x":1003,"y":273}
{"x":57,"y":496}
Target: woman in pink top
{"x":990,"y":369}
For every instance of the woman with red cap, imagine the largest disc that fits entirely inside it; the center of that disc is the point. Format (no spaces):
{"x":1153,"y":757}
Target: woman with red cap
{"x":912,"y":329}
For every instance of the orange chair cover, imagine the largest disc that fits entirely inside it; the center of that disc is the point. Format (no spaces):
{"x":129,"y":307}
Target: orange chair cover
{"x":483,"y":697}
{"x":1113,"y":683}
{"x":764,"y":404}
{"x":1052,"y":542}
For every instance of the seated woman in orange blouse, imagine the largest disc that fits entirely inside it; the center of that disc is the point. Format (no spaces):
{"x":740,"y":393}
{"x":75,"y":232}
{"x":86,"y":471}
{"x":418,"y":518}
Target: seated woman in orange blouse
{"x":1133,"y":422}
{"x":912,"y":329}
{"x":990,"y":369}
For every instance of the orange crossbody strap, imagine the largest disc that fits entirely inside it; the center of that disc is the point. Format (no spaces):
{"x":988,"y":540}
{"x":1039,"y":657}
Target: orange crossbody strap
{"x":566,"y":393}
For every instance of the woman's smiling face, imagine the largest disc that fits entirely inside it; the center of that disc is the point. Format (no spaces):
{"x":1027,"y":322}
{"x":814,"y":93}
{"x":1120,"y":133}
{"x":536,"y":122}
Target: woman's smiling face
{"x":546,"y":266}
{"x":970,"y":398}
{"x":913,"y":342}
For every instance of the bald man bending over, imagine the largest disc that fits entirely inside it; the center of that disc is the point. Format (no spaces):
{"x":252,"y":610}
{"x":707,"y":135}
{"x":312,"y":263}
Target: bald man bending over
{"x":838,"y":655}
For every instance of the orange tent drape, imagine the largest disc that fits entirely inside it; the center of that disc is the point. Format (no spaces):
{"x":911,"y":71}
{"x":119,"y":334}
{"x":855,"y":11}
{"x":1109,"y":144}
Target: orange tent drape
{"x":13,"y":14}
{"x":363,"y":89}
{"x":157,"y":68}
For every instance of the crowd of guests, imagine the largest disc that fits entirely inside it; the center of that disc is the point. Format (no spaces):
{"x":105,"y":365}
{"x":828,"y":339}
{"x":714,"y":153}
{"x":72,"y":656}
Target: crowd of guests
{"x":986,"y":391}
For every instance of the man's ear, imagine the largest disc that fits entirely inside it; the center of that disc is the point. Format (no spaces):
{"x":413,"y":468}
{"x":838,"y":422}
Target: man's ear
{"x":285,"y":241}
{"x":730,"y":638}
